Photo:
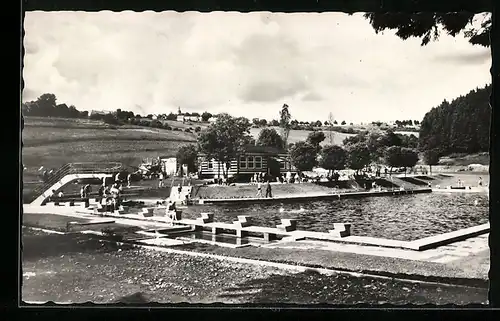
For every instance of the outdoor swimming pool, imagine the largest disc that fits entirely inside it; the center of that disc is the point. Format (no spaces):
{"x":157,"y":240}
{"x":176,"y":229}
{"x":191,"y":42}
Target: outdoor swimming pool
{"x":405,"y":217}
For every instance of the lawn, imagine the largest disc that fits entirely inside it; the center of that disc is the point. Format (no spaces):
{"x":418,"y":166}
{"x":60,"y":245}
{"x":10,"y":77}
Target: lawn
{"x":244,"y":191}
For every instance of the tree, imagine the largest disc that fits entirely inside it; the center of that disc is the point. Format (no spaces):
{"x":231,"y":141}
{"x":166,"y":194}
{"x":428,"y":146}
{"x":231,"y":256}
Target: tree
{"x":318,"y":123}
{"x":275,"y":123}
{"x":171,"y":116}
{"x":353,"y":140}
{"x":263,"y":123}
{"x":303,"y":156}
{"x":461,"y":126}
{"x":285,"y":125}
{"x":397,"y":156}
{"x":332,"y":157}
{"x":111,"y":119}
{"x":156,"y":124}
{"x":206,"y":116}
{"x":431,"y":157}
{"x":409,"y":157}
{"x":391,"y":139}
{"x":393,"y":157}
{"x":331,"y":121}
{"x":188,"y":155}
{"x":224,"y":139}
{"x":427,"y":25}
{"x":410,"y":141}
{"x":270,"y":137}
{"x":256,"y":121}
{"x":335,"y":122}
{"x":375,"y":143}
{"x":315,"y":138}
{"x":46,"y":103}
{"x":358,"y":156}
{"x":343,"y":122}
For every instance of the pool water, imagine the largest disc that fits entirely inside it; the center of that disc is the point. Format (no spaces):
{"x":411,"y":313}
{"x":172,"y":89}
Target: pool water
{"x":404,"y":217}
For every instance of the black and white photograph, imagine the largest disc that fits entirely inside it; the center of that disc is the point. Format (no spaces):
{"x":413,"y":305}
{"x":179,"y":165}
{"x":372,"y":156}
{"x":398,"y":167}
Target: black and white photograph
{"x":256,"y":158}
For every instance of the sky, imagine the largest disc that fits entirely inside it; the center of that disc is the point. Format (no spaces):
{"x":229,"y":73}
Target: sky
{"x":245,"y":64}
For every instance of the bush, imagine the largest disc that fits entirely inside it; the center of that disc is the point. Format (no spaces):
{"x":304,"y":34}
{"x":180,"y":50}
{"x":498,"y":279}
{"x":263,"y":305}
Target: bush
{"x":167,"y":126}
{"x":110,"y":119}
{"x":197,"y":129}
{"x":144,"y":123}
{"x":176,"y":129}
{"x":156,"y":124}
{"x":187,"y":130}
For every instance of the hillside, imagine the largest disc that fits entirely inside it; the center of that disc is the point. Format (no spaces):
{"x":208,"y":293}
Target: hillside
{"x":53,"y":142}
{"x":299,"y":135}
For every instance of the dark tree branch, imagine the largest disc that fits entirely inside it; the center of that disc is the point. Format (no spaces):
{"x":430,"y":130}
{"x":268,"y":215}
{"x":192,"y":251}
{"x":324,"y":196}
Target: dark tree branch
{"x":426,"y":25}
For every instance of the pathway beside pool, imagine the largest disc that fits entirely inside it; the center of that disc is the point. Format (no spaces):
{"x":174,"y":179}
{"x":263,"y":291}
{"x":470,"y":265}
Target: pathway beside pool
{"x":442,"y":254}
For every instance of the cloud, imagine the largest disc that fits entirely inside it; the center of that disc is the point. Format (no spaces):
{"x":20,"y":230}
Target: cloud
{"x":273,"y":67}
{"x":469,"y":58}
{"x":312,"y":96}
{"x":244,"y":64}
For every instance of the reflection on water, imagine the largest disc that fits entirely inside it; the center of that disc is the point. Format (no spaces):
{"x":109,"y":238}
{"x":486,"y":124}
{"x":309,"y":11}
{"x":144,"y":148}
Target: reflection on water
{"x":405,"y":217}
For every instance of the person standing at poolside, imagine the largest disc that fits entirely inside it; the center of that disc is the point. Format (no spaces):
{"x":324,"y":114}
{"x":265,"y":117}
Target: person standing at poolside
{"x":259,"y":190}
{"x":268,"y":190}
{"x":160,"y":178}
{"x":100,"y":193}
{"x":52,"y":195}
{"x":129,"y":179}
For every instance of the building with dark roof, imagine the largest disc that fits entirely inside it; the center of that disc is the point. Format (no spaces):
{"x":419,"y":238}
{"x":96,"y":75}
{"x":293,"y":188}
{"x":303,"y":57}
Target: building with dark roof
{"x":254,"y":159}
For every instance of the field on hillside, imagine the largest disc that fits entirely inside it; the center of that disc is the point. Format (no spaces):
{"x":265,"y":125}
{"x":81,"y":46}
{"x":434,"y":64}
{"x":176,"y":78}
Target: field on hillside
{"x":464,"y":160}
{"x":299,"y":135}
{"x":52,"y":142}
{"x":179,"y":124}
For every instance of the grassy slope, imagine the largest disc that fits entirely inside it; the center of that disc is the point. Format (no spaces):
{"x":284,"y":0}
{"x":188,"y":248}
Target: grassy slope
{"x":464,"y":160}
{"x":54,"y":142}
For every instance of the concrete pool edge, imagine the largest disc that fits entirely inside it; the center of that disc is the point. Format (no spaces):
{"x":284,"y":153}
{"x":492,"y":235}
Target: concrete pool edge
{"x":421,"y":244}
{"x":445,"y":280}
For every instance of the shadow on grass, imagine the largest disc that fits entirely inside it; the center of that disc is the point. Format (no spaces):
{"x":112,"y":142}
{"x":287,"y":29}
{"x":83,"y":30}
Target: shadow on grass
{"x":44,"y":246}
{"x":413,"y":181}
{"x":136,"y":298}
{"x":311,"y":287}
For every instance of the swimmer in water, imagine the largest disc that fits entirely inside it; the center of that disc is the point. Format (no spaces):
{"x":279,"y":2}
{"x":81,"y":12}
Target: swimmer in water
{"x":281,"y":209}
{"x":476,"y":202}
